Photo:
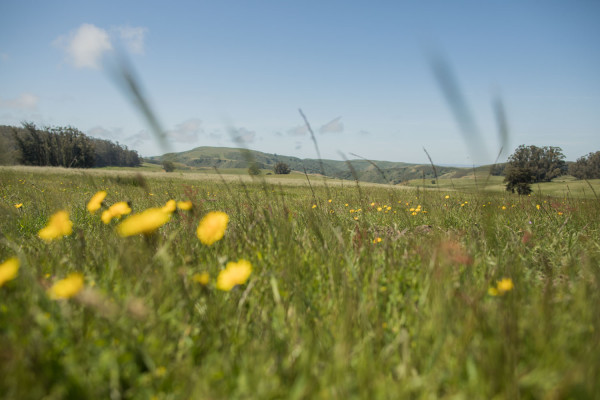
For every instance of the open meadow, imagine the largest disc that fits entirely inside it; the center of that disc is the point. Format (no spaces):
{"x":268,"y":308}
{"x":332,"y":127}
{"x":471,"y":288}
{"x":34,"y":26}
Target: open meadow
{"x":332,"y":291}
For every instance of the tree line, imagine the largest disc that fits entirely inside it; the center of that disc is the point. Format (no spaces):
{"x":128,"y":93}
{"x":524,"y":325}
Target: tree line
{"x":532,"y":164}
{"x":62,"y":147}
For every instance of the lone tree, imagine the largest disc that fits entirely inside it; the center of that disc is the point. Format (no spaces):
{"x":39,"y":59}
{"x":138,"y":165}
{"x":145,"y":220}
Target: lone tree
{"x":168,"y":166}
{"x":531,"y":164}
{"x":253,"y":169}
{"x":281,"y":168}
{"x":586,"y":167}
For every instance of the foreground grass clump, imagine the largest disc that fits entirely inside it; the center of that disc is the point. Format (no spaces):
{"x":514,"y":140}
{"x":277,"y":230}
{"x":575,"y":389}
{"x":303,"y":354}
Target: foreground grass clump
{"x":322,"y":292}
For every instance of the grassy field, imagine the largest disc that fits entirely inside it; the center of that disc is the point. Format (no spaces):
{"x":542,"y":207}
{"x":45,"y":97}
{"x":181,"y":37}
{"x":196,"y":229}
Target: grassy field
{"x":371,"y":292}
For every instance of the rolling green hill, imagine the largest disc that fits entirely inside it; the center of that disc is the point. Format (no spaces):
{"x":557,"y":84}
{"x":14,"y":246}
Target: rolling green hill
{"x":367,"y":171}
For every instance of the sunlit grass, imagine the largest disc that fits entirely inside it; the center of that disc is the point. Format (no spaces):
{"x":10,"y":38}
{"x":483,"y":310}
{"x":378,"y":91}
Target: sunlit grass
{"x":336,"y":292}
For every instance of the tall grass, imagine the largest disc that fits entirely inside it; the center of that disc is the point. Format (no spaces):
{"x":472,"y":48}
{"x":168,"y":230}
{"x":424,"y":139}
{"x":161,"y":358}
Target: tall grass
{"x":366,"y":295}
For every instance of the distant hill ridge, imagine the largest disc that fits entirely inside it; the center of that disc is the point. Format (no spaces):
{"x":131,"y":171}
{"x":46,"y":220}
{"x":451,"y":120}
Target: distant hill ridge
{"x":383,"y":172}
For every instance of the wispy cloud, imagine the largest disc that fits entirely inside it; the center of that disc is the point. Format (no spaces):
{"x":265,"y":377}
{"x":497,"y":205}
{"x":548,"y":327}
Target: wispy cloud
{"x":333,"y":126}
{"x":132,"y":37}
{"x":301,"y":130}
{"x":242,"y":135}
{"x":139,"y":138}
{"x":25,"y":101}
{"x":186,"y":132}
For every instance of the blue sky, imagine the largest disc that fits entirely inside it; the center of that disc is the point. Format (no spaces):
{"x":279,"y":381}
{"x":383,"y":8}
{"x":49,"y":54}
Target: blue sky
{"x":360,"y":71}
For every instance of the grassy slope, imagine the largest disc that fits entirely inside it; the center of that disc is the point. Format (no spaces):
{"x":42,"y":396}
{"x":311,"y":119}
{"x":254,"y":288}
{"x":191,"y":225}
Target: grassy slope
{"x":330,"y":311}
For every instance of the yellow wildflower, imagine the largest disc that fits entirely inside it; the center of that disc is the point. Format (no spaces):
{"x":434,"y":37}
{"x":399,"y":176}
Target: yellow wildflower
{"x":96,"y":201}
{"x":493,"y":291}
{"x":202,"y":278}
{"x":170,"y":206}
{"x":66,"y":288}
{"x":329,"y":200}
{"x":504,"y":207}
{"x":19,"y":205}
{"x":379,"y":208}
{"x":447,"y":197}
{"x":59,"y":225}
{"x":235,"y":273}
{"x":145,"y":222}
{"x":184,"y":205}
{"x":212,"y":227}
{"x":314,"y":206}
{"x":505,"y":285}
{"x":115,"y":211}
{"x":9,"y":270}
{"x":537,"y":206}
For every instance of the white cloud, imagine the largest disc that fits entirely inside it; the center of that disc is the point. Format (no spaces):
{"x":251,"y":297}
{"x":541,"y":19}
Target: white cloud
{"x":298,"y":131}
{"x":85,"y":46}
{"x":25,"y":101}
{"x":333,"y":126}
{"x":132,"y":38}
{"x":186,"y":132}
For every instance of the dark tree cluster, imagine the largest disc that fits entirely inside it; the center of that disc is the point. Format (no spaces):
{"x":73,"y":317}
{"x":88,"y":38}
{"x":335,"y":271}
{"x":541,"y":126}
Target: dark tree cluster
{"x":281,"y":168}
{"x":114,"y":154}
{"x":68,"y":147}
{"x":586,"y":167}
{"x":59,"y":146}
{"x":532,"y":164}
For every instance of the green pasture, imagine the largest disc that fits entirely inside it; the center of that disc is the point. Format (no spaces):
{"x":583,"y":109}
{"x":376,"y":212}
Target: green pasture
{"x":443,"y":291}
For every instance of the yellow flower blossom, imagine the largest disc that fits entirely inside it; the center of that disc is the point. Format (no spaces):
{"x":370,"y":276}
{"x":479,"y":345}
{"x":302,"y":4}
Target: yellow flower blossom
{"x":145,"y":222}
{"x":170,"y":207}
{"x":379,"y":209}
{"x":59,"y":225}
{"x":235,"y":273}
{"x":19,"y":205}
{"x":314,"y":206}
{"x":537,"y":206}
{"x":96,"y":201}
{"x":9,"y":270}
{"x":447,"y":197}
{"x":66,"y":288}
{"x":202,"y":278}
{"x":505,"y":285}
{"x":184,"y":205}
{"x":212,"y":227}
{"x":329,"y":201}
{"x":115,"y":211}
